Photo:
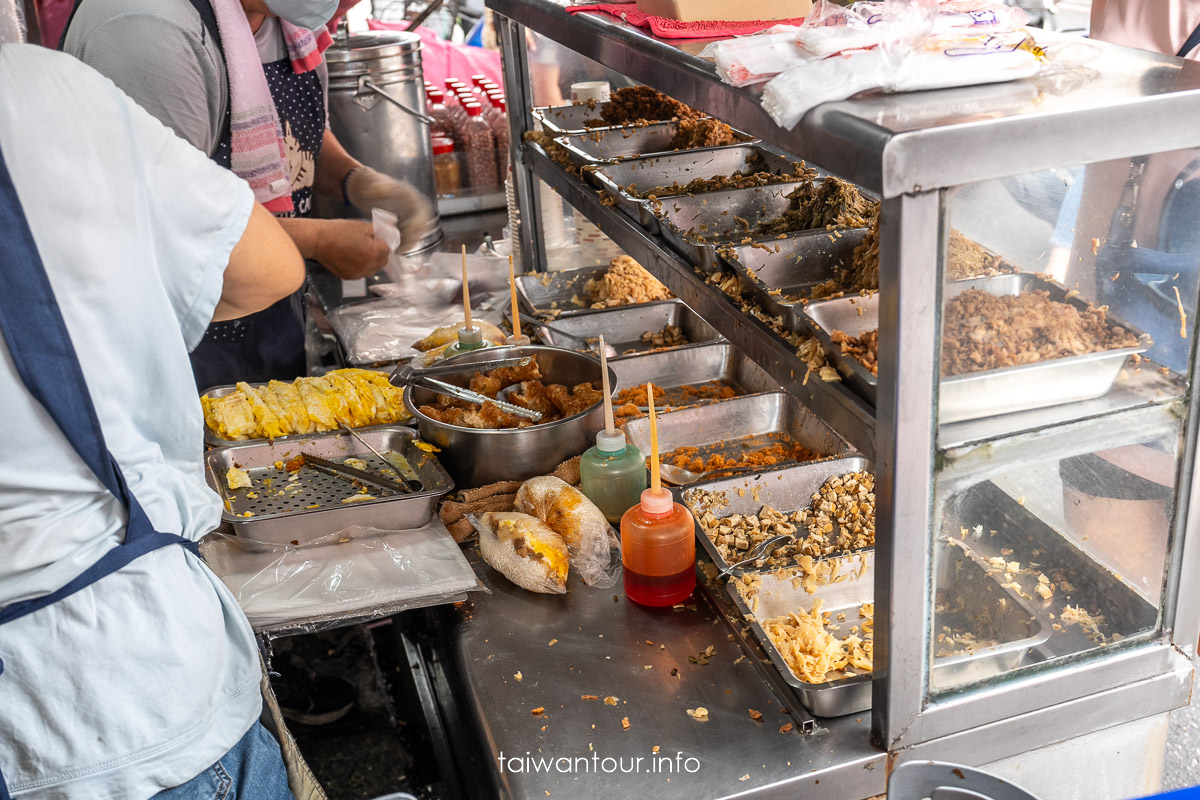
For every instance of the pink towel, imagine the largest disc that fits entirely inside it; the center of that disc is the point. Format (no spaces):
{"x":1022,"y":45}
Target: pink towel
{"x":674,"y":29}
{"x":259,"y":154}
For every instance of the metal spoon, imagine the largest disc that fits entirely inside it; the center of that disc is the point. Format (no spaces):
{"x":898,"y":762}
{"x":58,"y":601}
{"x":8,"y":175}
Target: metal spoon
{"x":761,"y":550}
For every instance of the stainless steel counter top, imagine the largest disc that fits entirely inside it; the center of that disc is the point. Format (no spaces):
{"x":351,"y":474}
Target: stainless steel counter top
{"x":596,"y":642}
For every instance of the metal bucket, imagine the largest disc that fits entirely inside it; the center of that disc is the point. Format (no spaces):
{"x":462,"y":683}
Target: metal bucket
{"x":377,"y":112}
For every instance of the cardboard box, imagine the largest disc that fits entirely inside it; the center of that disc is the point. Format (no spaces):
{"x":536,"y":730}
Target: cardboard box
{"x":725,"y":10}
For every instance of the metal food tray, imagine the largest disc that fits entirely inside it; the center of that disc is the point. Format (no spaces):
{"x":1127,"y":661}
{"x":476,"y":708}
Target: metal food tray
{"x":696,"y":225}
{"x":777,"y":277}
{"x":623,"y":327}
{"x":280,"y":519}
{"x":212,"y":440}
{"x":676,"y":369}
{"x":549,"y":294}
{"x":1000,"y":391}
{"x":612,"y":145}
{"x":786,"y":490}
{"x":1019,"y":632}
{"x":570,"y":118}
{"x":712,"y":426}
{"x":681,"y":168}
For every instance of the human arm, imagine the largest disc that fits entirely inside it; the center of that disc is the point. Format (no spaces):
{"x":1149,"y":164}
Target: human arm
{"x":264,"y":266}
{"x":346,"y":247}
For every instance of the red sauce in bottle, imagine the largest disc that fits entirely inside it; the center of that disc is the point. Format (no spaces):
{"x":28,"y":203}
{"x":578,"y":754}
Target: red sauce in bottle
{"x":658,"y":550}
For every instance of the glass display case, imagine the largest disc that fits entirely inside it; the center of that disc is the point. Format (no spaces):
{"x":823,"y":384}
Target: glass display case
{"x":1020,"y":376}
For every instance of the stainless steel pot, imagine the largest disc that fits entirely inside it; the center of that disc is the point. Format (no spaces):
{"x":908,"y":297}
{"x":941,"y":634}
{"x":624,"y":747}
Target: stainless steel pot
{"x":377,"y":112}
{"x":475,"y":457}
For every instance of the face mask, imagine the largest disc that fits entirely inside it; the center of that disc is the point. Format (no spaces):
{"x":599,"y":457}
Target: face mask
{"x":309,"y":14}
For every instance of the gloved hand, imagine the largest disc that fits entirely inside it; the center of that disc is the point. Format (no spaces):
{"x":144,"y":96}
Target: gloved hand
{"x":348,"y":248}
{"x":367,"y":189}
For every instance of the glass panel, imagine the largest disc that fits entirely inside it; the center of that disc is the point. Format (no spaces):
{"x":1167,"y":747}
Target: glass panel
{"x":1068,"y":300}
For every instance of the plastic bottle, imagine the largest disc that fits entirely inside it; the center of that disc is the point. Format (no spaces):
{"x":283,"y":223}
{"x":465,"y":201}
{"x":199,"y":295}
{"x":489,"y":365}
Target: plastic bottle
{"x":613,"y":474}
{"x":447,"y":173}
{"x":658,"y":550}
{"x":443,"y":117}
{"x":500,"y":132}
{"x":479,"y":149}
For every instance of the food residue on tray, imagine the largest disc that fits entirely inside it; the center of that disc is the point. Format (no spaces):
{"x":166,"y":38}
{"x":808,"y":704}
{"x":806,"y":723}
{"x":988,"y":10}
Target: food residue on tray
{"x":624,"y":282}
{"x":629,"y":402}
{"x":706,"y":132}
{"x":639,"y":104}
{"x":983,"y":331}
{"x":354,"y":397}
{"x":747,"y":452}
{"x":554,"y":401}
{"x":738,"y":180}
{"x":966,"y":258}
{"x":832,"y":203}
{"x":864,"y":348}
{"x":669,"y":336}
{"x":237,"y":478}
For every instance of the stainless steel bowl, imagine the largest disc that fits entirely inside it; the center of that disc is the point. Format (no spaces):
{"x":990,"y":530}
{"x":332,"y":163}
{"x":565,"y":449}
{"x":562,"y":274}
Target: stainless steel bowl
{"x":475,"y":457}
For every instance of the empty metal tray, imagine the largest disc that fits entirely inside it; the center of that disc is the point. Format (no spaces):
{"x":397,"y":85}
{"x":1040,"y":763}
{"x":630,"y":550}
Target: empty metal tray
{"x":984,"y":394}
{"x":285,"y":510}
{"x":674,"y":370}
{"x":611,"y":145}
{"x":717,"y":427}
{"x":628,"y":182}
{"x":777,"y":273}
{"x":973,"y":601}
{"x":212,"y":440}
{"x":785,"y":490}
{"x":623,"y":327}
{"x":696,"y":225}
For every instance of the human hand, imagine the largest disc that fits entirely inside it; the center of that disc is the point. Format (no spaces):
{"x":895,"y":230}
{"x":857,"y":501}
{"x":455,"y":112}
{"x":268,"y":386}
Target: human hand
{"x":367,"y":189}
{"x":348,"y":248}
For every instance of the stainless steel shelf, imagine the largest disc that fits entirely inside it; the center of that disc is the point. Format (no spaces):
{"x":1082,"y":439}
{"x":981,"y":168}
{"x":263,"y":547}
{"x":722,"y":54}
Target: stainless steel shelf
{"x":844,"y":411}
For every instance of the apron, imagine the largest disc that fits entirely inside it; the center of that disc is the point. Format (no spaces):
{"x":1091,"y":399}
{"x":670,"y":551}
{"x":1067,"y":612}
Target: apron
{"x":269,"y":345}
{"x":45,"y":360}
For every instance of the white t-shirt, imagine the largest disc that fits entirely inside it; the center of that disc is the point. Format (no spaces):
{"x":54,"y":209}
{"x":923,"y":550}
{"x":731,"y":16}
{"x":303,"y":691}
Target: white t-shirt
{"x":144,"y":679}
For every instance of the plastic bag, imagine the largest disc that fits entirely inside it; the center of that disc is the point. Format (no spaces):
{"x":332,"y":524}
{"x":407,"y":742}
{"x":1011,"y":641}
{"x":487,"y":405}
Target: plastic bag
{"x":354,"y":573}
{"x":592,"y":543}
{"x":523,"y":549}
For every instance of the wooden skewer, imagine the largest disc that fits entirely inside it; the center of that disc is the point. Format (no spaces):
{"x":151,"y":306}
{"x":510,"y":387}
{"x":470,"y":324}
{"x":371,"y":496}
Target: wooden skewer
{"x":609,"y":425}
{"x":655,"y":479}
{"x":466,"y":291}
{"x":516,"y":309}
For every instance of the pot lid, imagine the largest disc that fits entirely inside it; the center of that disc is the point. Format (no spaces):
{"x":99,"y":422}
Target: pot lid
{"x":374,"y":44}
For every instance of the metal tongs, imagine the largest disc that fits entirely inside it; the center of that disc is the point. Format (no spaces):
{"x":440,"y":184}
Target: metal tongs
{"x":353,"y":474}
{"x":407,"y":375}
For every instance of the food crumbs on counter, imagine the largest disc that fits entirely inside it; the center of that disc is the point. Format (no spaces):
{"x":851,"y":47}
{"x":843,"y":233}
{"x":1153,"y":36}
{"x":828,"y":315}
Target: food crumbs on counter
{"x":739,"y":659}
{"x":787,"y":728}
{"x":675,"y":672}
{"x":654,"y":749}
{"x":537,"y":711}
{"x":650,"y":643}
{"x":429,"y":448}
{"x":1021,"y":500}
{"x":755,"y":715}
{"x":745,"y":777}
{"x":589,"y":697}
{"x":552,"y":642}
{"x":610,"y":701}
{"x":1095,"y":246}
{"x":625,"y":723}
{"x":518,"y":677}
{"x":700,"y":713}
{"x":648,"y":666}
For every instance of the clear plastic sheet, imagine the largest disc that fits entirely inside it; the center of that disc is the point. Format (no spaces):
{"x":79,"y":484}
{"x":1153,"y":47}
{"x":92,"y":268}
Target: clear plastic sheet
{"x":355,"y":574}
{"x":595,"y":552}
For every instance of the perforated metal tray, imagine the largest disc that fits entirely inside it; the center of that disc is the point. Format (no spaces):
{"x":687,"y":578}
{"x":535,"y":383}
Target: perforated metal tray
{"x":297,"y":510}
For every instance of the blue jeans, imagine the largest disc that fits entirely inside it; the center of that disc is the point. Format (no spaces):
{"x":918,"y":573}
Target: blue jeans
{"x":252,"y":770}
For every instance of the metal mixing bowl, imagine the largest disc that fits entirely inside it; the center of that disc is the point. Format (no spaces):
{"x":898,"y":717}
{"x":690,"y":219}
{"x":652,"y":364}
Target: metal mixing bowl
{"x":475,"y":457}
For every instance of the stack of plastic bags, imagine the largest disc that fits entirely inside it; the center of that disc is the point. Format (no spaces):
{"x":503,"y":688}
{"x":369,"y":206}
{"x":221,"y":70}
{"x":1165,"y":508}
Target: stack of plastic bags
{"x":896,"y":46}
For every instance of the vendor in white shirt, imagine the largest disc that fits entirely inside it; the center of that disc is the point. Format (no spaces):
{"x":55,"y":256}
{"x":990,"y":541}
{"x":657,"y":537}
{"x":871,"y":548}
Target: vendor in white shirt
{"x":127,"y":670}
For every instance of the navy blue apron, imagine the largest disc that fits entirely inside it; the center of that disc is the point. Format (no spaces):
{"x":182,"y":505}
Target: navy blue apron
{"x":41,"y":349}
{"x":269,"y":345}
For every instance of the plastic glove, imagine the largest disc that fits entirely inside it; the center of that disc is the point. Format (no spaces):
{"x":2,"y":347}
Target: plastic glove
{"x":367,"y":189}
{"x":348,"y":248}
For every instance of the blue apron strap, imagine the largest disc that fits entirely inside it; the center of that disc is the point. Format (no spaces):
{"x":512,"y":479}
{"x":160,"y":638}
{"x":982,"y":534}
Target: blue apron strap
{"x":45,"y":359}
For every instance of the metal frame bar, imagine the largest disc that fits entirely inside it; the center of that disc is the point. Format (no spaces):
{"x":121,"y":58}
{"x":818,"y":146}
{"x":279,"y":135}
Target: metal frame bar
{"x":514,"y":56}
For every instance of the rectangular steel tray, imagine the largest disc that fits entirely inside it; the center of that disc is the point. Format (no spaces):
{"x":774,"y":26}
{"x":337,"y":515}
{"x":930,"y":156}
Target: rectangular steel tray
{"x":713,"y":425}
{"x":623,"y":326}
{"x":681,"y":168}
{"x":674,"y":369}
{"x":985,"y":394}
{"x":696,"y":225}
{"x":282,"y":519}
{"x":212,"y":440}
{"x":1018,"y":631}
{"x":776,"y":278}
{"x":612,"y":145}
{"x":784,"y":490}
{"x":549,"y":294}
{"x":569,"y":118}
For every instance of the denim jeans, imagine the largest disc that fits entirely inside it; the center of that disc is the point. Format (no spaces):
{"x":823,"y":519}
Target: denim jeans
{"x":252,"y":770}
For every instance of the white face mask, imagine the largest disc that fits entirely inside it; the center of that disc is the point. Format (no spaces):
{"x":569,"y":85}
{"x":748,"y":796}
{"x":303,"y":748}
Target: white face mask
{"x":309,"y":14}
{"x":12,"y":22}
